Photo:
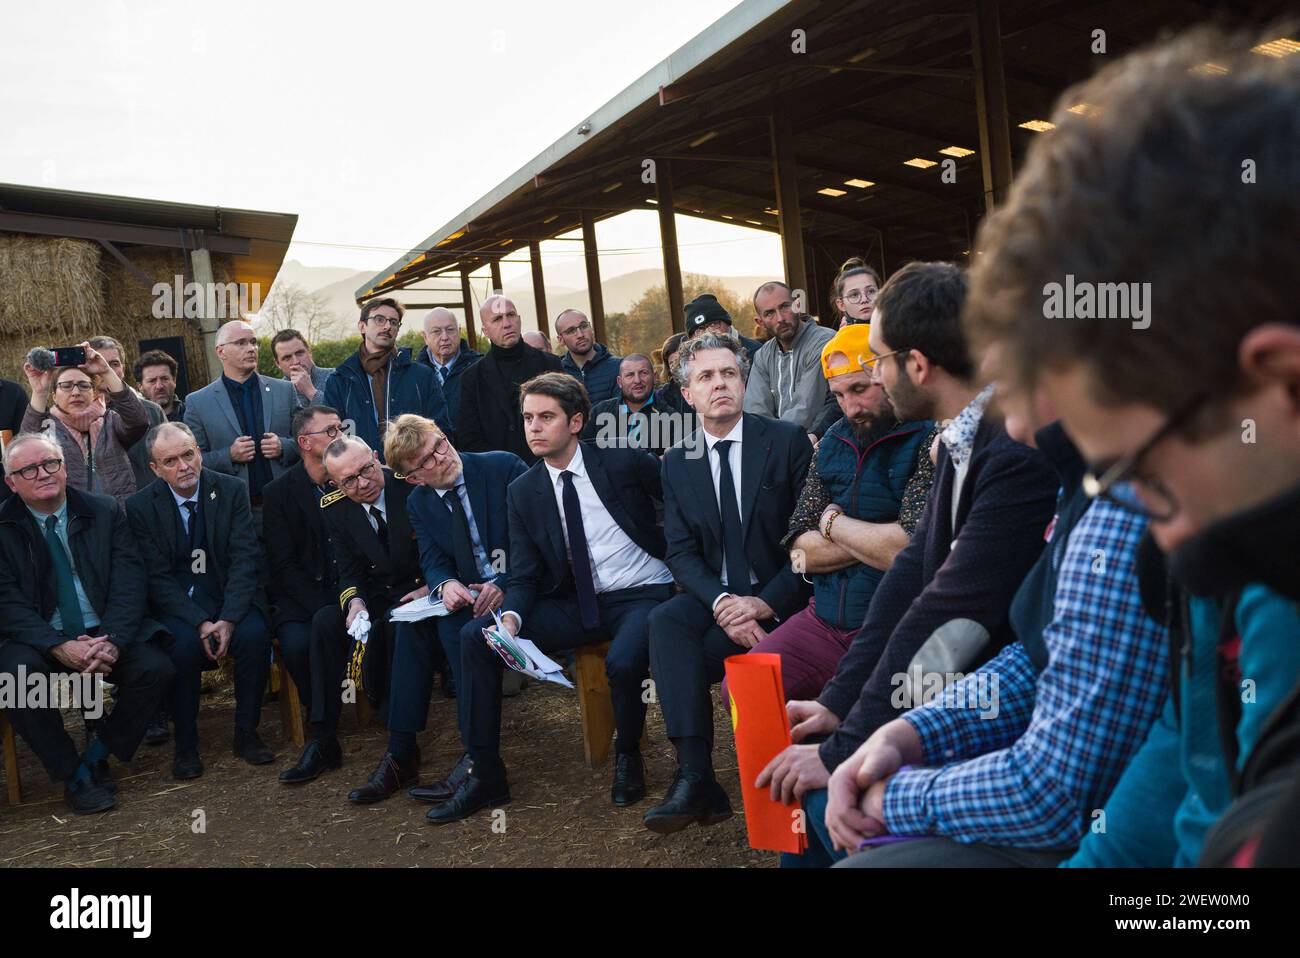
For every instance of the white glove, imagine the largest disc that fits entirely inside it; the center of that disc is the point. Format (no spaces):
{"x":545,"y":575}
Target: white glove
{"x":360,"y":628}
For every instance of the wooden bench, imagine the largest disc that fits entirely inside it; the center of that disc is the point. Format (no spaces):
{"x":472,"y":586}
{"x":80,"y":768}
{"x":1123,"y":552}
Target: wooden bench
{"x":13,"y":780}
{"x":291,"y":702}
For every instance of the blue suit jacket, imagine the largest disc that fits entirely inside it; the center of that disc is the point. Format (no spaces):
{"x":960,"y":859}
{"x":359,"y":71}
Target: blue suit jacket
{"x":486,"y":476}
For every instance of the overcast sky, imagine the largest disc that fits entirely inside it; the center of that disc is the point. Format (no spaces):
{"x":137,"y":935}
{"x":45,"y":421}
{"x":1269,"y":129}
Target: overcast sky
{"x":375,"y":122}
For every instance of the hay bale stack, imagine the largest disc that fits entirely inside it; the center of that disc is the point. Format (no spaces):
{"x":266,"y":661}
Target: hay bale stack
{"x":58,"y":291}
{"x":128,"y":304}
{"x":52,"y":295}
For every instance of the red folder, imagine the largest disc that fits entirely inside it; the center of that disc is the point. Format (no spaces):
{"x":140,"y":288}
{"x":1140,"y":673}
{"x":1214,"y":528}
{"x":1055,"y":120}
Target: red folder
{"x":762,"y":730}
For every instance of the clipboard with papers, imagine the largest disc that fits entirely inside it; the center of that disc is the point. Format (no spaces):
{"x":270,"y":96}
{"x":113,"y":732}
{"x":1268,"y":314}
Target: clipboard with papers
{"x":522,"y":655}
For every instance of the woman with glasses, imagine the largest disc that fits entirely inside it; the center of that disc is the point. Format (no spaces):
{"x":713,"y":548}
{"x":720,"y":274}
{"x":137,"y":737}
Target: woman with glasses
{"x":94,"y":416}
{"x":854,"y":291}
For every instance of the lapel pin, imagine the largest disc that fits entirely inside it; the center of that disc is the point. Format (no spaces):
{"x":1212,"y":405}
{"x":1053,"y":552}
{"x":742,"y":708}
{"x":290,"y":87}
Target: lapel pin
{"x":212,"y":494}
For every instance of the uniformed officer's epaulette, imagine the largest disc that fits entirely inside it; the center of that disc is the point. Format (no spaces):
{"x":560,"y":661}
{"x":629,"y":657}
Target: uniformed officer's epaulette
{"x":331,"y":497}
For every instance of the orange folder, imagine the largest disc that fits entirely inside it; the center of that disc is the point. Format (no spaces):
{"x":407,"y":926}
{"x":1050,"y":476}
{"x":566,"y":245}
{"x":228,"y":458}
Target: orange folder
{"x":762,"y":730}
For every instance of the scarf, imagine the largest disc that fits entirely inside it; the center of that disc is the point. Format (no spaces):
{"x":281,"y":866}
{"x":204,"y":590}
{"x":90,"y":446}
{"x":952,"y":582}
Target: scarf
{"x":84,"y":425}
{"x":375,"y":365}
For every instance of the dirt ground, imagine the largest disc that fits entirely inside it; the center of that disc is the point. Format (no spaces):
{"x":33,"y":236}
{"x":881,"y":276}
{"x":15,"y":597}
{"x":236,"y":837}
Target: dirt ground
{"x":560,"y":816}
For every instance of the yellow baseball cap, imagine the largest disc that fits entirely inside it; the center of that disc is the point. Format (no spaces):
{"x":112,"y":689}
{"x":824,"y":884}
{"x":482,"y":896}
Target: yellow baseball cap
{"x":851,"y":349}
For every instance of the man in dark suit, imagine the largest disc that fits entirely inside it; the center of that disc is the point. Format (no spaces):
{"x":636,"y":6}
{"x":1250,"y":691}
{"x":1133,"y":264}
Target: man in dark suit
{"x":728,"y":495}
{"x":586,"y":566}
{"x":195,"y":530}
{"x":301,"y":578}
{"x":489,"y":390}
{"x":78,"y":610}
{"x":463,"y":536}
{"x":378,"y":562}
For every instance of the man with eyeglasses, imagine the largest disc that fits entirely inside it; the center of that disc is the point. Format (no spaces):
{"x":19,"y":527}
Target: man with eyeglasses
{"x":447,"y":353}
{"x":1190,"y":416}
{"x":490,"y":417}
{"x":786,"y":381}
{"x":464,"y":538}
{"x":943,"y":606}
{"x":194,"y":528}
{"x":301,"y":579}
{"x":380,"y":381}
{"x":73,"y":589}
{"x":589,"y":362}
{"x":241,"y":419}
{"x":378,"y":562}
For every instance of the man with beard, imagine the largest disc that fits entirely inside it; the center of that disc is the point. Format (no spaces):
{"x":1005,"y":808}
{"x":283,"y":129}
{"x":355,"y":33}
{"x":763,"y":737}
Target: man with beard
{"x":859,"y":507}
{"x":785,"y":382}
{"x":155,"y":371}
{"x":632,"y":419}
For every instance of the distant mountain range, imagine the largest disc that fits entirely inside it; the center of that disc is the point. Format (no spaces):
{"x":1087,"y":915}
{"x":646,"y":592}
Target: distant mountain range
{"x":338,"y":285}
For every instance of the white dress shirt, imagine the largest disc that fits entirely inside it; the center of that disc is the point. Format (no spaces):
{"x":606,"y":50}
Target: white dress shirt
{"x":715,"y":470}
{"x":616,"y":561}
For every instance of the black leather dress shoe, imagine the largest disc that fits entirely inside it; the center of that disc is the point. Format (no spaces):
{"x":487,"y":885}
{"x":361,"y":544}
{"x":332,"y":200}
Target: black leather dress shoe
{"x":629,"y":778}
{"x":387,"y":778}
{"x":472,"y":795}
{"x":441,"y":791}
{"x":187,"y":765}
{"x":692,"y":798}
{"x":86,"y":798}
{"x":252,"y":749}
{"x":316,"y":758}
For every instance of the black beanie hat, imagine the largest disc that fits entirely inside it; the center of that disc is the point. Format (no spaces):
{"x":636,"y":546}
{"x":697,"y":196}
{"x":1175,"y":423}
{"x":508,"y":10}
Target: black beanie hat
{"x":702,"y":310}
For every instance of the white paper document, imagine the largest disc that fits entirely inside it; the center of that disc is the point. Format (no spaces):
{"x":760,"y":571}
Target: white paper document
{"x":522,"y":655}
{"x":427,"y":607}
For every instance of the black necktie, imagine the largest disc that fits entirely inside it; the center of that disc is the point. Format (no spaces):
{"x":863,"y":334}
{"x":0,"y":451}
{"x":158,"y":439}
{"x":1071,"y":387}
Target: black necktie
{"x":461,"y":543}
{"x":382,"y":529}
{"x":733,"y":538}
{"x":578,"y":554}
{"x":442,"y":374}
{"x":192,"y":526}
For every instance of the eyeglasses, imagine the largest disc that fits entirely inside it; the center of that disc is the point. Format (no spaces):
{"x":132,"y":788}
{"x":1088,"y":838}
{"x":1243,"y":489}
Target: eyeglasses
{"x":861,"y":295}
{"x":382,"y":321}
{"x":582,"y":327}
{"x":439,"y":451}
{"x":1119,"y":482}
{"x":367,"y":471}
{"x":79,"y":387}
{"x":51,"y":466}
{"x":870,"y":363}
{"x":331,"y":431}
{"x":242,"y":343}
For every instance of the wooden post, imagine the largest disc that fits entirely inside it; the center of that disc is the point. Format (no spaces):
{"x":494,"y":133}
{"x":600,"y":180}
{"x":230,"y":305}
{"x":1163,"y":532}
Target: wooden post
{"x":594,"y":295}
{"x":201,"y":267}
{"x":594,"y":702}
{"x":13,"y":779}
{"x":991,"y":102}
{"x":668,"y":240}
{"x":787,"y":198}
{"x":495,"y":265}
{"x":467,"y":297}
{"x":539,"y":288}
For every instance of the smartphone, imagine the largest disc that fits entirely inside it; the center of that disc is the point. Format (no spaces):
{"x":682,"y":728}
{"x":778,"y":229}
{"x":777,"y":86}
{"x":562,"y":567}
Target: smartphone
{"x":70,"y":356}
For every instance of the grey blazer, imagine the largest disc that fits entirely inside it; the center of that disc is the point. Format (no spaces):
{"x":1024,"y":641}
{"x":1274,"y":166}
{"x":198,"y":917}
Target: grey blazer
{"x":211,"y":416}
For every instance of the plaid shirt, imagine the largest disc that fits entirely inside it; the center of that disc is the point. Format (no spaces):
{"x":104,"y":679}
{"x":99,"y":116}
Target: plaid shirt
{"x":1032,"y":775}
